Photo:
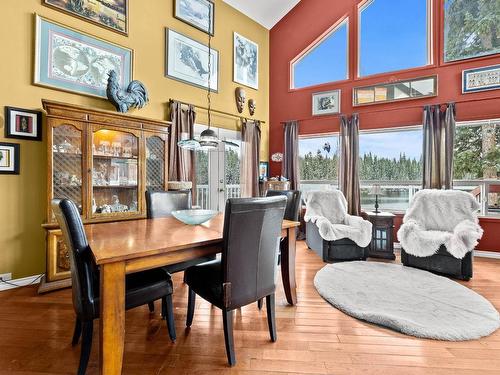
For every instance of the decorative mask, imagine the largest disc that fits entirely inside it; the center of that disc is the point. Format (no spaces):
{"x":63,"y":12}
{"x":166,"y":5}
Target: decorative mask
{"x":240,"y":96}
{"x":252,"y":104}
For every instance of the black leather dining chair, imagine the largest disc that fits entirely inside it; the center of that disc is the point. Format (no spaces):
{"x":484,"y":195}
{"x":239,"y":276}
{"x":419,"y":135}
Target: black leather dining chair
{"x":293,"y":200}
{"x":161,"y":204}
{"x":140,"y":288}
{"x":247,"y":269}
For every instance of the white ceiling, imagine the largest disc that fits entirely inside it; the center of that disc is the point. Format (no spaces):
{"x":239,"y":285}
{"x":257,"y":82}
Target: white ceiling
{"x":266,"y":12}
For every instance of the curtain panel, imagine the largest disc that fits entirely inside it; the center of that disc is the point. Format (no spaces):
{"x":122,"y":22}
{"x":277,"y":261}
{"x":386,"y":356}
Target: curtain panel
{"x":181,"y":162}
{"x":349,"y":163}
{"x":438,"y":145}
{"x":290,"y":166}
{"x":250,"y":157}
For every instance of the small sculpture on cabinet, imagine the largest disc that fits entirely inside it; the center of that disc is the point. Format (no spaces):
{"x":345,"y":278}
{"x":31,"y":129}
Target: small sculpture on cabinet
{"x":136,"y":94}
{"x":252,"y":105}
{"x":240,"y":96}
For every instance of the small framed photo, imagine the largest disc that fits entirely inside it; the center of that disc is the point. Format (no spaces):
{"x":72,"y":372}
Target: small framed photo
{"x":246,"y":62}
{"x":326,"y":103}
{"x":9,"y":158}
{"x":197,"y":13}
{"x":263,"y":170}
{"x":481,"y":79}
{"x":23,"y":124}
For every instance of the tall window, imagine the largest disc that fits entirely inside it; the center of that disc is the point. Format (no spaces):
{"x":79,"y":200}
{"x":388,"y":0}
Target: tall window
{"x":393,"y":159}
{"x":471,"y":28}
{"x":318,"y":162}
{"x":324,"y":62}
{"x":393,"y":35}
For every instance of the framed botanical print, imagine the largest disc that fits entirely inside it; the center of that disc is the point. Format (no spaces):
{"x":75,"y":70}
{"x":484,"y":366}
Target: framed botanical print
{"x":112,"y":14}
{"x":69,"y":60}
{"x":23,"y":124}
{"x":481,"y":79}
{"x":187,"y":61}
{"x":9,"y":158}
{"x":197,"y":13}
{"x":246,"y":62}
{"x":326,"y":103}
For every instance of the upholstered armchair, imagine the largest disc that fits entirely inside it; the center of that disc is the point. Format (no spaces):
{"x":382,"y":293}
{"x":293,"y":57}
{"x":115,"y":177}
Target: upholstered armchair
{"x":439,"y":232}
{"x":331,"y":231}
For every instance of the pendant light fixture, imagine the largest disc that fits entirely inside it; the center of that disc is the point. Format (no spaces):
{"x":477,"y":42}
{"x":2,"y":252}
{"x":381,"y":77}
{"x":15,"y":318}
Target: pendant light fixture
{"x":208,"y":138}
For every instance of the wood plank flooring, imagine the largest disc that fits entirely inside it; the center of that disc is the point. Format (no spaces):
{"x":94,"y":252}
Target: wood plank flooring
{"x":313,"y":337}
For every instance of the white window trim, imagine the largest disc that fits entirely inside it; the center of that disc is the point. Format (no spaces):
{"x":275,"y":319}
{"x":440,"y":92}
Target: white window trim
{"x":343,"y":21}
{"x":430,"y":39}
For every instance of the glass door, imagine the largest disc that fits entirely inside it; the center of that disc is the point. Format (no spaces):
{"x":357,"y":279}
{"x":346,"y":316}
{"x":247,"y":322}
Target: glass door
{"x":217,"y":172}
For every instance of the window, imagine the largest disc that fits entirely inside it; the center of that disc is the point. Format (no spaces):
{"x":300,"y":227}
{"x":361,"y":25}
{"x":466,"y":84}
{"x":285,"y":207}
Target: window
{"x":393,"y":159}
{"x":393,"y":35}
{"x":326,"y":61}
{"x":476,"y":164}
{"x":471,"y":28}
{"x":318,"y":162}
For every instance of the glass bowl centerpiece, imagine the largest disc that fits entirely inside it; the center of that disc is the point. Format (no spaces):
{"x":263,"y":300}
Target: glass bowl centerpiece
{"x":195,"y":216}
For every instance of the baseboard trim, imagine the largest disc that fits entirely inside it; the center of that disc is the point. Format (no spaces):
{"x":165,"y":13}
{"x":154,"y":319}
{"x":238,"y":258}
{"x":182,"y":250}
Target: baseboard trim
{"x":486,"y":254}
{"x":30,"y":280}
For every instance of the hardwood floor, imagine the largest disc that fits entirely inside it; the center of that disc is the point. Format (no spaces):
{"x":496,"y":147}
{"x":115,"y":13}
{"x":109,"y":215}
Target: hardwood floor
{"x":313,"y":337}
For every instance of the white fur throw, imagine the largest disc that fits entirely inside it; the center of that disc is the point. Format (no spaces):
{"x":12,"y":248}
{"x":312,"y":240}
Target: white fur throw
{"x":328,"y":210}
{"x":440,"y":217}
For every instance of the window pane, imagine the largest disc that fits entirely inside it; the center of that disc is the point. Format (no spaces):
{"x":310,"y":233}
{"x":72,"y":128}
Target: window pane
{"x":326,"y":62}
{"x":392,"y":159}
{"x":318,"y":161}
{"x":472,"y":28}
{"x":393,"y":36}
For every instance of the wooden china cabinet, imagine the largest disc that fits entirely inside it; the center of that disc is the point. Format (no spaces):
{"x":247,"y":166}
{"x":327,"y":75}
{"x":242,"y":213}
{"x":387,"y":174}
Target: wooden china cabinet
{"x":103,"y":161}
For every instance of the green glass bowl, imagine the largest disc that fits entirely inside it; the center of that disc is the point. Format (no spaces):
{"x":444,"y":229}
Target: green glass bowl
{"x":194,"y":217}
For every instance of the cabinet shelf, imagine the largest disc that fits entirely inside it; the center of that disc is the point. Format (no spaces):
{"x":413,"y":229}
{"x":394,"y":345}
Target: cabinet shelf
{"x":115,"y":186}
{"x":107,"y":157}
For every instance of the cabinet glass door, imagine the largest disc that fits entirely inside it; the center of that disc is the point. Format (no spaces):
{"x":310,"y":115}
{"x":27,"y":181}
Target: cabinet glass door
{"x":67,"y":164}
{"x":115,"y":172}
{"x":156,"y":150}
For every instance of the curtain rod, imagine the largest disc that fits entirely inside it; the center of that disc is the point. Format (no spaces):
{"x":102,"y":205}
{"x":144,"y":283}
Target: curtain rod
{"x":389,"y":110}
{"x":217,"y":111}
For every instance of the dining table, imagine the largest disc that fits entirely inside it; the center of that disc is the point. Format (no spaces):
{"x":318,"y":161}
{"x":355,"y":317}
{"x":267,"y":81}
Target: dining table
{"x":131,"y":246}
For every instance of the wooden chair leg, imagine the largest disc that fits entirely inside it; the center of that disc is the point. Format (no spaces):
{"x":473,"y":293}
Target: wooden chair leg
{"x":227,"y":318}
{"x":260,"y":303}
{"x":77,"y":332}
{"x":151,"y":306}
{"x":87,"y":330}
{"x":190,"y":310}
{"x":271,"y":318}
{"x":168,"y":309}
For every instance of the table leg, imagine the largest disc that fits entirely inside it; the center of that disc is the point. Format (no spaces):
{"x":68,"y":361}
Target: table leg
{"x":112,"y":325}
{"x":288,"y":266}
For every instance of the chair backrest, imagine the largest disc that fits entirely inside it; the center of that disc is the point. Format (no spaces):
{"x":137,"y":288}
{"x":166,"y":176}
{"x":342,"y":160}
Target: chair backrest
{"x":162,"y":203}
{"x":252,"y":230}
{"x":292,"y":204}
{"x":84,"y":271}
{"x":442,"y":210}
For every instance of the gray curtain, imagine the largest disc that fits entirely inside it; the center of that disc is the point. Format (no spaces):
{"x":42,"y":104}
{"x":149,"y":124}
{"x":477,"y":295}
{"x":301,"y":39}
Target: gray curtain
{"x":349,"y":163}
{"x":181,"y":162}
{"x":250,"y":157}
{"x":290,"y":165}
{"x":438,"y":144}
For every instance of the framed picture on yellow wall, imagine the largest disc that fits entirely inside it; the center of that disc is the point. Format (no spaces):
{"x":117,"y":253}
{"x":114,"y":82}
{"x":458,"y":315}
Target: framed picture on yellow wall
{"x":112,"y":14}
{"x":23,"y":124}
{"x":197,"y":13}
{"x":9,"y":158}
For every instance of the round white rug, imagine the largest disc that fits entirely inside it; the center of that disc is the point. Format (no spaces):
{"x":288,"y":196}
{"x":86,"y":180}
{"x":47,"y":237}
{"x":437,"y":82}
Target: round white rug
{"x":408,"y":300}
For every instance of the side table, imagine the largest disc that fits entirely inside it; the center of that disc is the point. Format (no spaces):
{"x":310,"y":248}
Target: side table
{"x":382,"y":245}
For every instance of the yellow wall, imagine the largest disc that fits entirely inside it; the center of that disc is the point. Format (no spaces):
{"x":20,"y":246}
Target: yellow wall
{"x":22,"y":197}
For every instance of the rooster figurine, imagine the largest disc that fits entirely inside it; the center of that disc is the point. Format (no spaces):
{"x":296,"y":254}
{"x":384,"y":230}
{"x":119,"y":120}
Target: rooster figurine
{"x":135,"y":95}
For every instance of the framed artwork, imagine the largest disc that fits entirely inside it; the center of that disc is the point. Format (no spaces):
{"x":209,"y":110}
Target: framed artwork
{"x":416,"y":88}
{"x":187,"y":61}
{"x":263,"y":170}
{"x":69,"y":60}
{"x":112,"y":15}
{"x":197,"y":13}
{"x":326,"y":103}
{"x":246,"y":62}
{"x":23,"y":124}
{"x":9,"y":158}
{"x":481,"y":79}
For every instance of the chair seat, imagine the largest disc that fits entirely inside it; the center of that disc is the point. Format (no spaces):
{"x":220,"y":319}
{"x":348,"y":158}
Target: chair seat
{"x":206,"y":280}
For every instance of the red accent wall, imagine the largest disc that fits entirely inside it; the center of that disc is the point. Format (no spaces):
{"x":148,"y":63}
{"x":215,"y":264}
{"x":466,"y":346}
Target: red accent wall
{"x":302,"y":26}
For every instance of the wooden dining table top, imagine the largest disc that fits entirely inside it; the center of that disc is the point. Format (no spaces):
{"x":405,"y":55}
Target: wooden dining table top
{"x":127,"y":240}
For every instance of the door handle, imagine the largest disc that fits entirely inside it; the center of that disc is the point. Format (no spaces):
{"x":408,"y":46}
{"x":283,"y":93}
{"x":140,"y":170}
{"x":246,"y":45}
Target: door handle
{"x":221,"y":190}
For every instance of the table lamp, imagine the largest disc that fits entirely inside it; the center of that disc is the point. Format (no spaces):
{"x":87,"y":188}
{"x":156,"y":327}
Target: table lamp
{"x":376,"y":190}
